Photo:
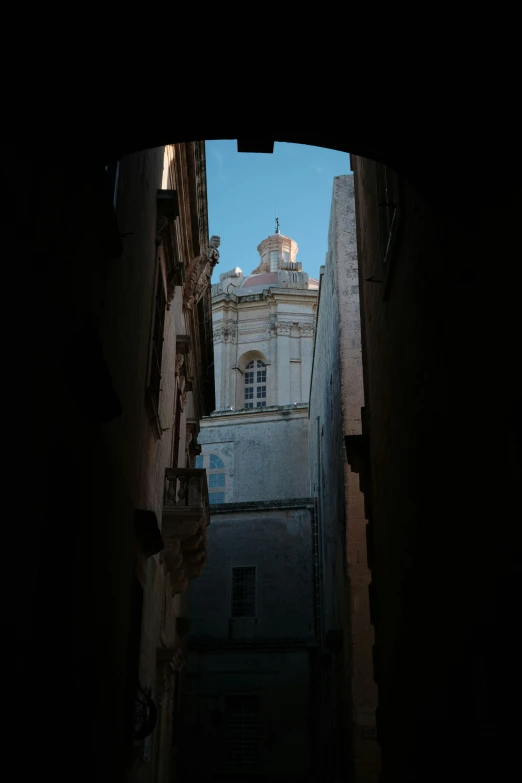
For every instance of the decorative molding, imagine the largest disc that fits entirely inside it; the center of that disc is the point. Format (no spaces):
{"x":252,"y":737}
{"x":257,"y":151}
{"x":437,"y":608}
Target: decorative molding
{"x":180,"y":358}
{"x":307,"y":329}
{"x":200,"y":272}
{"x":252,"y":297}
{"x":226,"y":332}
{"x":283,"y":328}
{"x":169,"y":660}
{"x":185,"y":519}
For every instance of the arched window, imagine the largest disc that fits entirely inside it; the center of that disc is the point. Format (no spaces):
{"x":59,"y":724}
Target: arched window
{"x":255,"y":384}
{"x":217,"y":477}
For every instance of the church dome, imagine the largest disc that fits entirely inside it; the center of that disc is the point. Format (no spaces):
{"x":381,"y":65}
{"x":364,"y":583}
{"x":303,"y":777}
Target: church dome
{"x":277,"y":268}
{"x":264,"y":279}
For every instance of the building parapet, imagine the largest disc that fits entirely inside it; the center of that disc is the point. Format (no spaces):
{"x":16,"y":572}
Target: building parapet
{"x":259,"y":411}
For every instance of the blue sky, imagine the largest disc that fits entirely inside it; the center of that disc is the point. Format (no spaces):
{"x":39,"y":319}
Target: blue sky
{"x":245,"y":188}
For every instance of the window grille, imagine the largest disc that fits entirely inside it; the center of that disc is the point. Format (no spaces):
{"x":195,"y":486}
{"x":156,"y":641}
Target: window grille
{"x":243,"y":730}
{"x":244,"y":591}
{"x":255,"y":384}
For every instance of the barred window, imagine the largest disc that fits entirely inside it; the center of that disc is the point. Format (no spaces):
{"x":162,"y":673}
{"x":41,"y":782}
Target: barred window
{"x":255,"y":384}
{"x":243,"y":591}
{"x":243,"y":726}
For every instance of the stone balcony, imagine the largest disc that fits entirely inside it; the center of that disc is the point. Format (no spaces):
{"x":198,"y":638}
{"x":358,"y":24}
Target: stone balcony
{"x":184,"y":525}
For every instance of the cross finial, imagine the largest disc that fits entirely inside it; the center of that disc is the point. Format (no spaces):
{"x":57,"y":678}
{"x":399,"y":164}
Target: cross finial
{"x":277,"y":223}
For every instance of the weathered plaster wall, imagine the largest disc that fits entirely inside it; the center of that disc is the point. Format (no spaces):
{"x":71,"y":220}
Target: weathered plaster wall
{"x":439,"y":354}
{"x":266,"y":451}
{"x":335,"y":411}
{"x":275,"y":664}
{"x":279,"y":542}
{"x":281,"y":681}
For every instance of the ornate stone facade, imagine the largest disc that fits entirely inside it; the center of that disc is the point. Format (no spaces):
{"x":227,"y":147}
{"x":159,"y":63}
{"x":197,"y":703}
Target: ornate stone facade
{"x":251,"y":319}
{"x":226,"y":332}
{"x":200,"y":273}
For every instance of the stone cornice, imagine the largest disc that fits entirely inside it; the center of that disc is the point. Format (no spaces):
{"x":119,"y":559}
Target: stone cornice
{"x":268,"y":294}
{"x":227,"y":418}
{"x":261,"y":505}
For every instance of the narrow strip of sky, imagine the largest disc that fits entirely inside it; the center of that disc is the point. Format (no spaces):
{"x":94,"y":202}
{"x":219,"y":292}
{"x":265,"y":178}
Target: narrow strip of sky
{"x":245,"y":189}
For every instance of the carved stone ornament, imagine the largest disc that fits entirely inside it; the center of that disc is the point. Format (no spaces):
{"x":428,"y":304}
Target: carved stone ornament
{"x":307,"y":330}
{"x":189,"y":438}
{"x":226,"y":332}
{"x":184,"y":397}
{"x":284,"y":328}
{"x":200,"y":272}
{"x":179,"y":362}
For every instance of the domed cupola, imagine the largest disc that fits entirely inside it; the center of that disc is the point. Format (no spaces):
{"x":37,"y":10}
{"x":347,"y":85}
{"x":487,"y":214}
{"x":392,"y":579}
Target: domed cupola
{"x":277,"y":252}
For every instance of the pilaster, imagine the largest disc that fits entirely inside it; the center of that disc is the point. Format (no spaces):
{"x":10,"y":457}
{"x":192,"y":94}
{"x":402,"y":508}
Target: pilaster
{"x":283,"y":330}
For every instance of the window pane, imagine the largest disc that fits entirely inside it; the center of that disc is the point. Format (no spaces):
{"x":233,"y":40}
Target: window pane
{"x":216,"y":497}
{"x":243,"y":726}
{"x":249,"y":404}
{"x":261,"y":376}
{"x":250,"y":364}
{"x":216,"y":480}
{"x":244,"y":591}
{"x":261,"y":404}
{"x":249,"y":377}
{"x":249,"y":393}
{"x":261,"y":392}
{"x":199,"y":461}
{"x":216,"y":462}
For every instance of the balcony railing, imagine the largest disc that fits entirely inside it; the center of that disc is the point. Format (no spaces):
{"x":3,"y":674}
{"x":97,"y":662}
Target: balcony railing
{"x":184,"y":524}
